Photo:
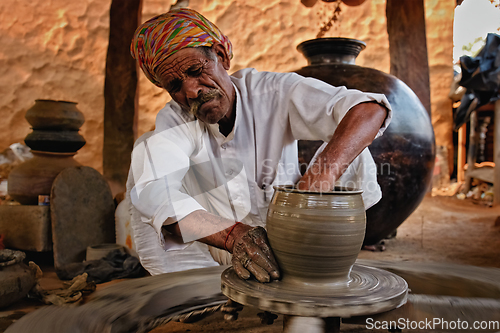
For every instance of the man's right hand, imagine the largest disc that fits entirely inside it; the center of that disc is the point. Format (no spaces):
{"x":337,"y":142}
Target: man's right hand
{"x":252,"y":254}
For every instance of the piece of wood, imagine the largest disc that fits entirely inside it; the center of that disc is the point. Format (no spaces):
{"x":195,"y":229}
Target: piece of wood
{"x":120,"y":87}
{"x":472,"y":153}
{"x":485,"y":174}
{"x":408,"y":46}
{"x":82,"y":213}
{"x":496,"y":148}
{"x":461,"y":156}
{"x":26,"y":227}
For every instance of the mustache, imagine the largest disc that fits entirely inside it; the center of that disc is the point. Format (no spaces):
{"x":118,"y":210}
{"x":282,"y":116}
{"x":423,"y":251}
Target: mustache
{"x":203,"y":98}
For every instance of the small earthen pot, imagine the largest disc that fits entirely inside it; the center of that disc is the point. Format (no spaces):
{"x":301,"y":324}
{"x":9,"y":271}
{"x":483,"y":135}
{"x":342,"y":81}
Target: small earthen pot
{"x":16,"y":278}
{"x":316,"y":237}
{"x":55,"y":115}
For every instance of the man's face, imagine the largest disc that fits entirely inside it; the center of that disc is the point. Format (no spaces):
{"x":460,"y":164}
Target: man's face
{"x":199,"y":84}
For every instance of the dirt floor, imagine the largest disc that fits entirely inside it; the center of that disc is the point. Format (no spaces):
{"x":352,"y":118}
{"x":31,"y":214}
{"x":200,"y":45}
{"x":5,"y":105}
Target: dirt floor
{"x":446,"y":229}
{"x":442,"y":229}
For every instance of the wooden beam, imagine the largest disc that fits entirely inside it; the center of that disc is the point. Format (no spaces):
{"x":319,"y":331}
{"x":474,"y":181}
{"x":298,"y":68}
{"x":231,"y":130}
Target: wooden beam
{"x":461,"y":154}
{"x":496,"y":157}
{"x":120,"y":87}
{"x":408,"y":46}
{"x":472,"y":151}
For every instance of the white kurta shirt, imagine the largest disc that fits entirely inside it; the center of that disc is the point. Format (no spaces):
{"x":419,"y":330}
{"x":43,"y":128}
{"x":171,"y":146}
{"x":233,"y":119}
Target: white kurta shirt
{"x":185,"y":165}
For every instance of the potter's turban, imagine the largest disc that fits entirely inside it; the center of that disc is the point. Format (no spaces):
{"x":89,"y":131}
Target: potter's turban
{"x":163,"y":35}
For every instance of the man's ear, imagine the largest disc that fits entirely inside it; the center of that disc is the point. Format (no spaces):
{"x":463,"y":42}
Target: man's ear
{"x":222,"y":56}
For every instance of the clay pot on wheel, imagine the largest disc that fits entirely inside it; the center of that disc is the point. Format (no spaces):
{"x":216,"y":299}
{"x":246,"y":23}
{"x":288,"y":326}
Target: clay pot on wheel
{"x":35,"y":177}
{"x":316,"y":237}
{"x":404,"y":155}
{"x":16,"y":278}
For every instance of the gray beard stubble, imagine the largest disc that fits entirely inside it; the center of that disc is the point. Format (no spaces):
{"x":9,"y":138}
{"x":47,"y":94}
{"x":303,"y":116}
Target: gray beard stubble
{"x":203,"y":98}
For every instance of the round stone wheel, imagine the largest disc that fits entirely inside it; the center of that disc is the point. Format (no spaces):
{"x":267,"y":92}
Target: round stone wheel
{"x":369,"y":291}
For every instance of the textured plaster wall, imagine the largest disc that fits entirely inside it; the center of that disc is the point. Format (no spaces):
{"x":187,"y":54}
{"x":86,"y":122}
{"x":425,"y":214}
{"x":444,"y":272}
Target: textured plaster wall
{"x":53,"y":50}
{"x":56,"y":50}
{"x":439,"y":21}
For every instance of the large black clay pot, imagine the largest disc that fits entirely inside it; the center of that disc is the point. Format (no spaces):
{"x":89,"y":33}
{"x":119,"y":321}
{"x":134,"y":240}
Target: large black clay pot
{"x":404,"y":155}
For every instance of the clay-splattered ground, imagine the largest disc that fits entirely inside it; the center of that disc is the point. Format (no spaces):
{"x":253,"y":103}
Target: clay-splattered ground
{"x":442,"y":229}
{"x":445,"y":229}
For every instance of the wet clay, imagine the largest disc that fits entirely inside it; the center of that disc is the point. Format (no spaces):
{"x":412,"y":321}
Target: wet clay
{"x":316,"y":238}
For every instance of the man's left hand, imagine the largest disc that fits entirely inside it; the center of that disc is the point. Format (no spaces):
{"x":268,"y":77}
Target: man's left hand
{"x":252,"y":254}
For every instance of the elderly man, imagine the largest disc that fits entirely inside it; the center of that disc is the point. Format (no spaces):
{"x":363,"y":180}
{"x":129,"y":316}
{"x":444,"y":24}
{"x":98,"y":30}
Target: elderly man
{"x":200,"y":183}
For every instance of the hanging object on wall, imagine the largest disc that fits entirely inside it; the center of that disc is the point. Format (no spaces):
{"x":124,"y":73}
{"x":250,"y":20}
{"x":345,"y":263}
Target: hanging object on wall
{"x":353,"y":2}
{"x":348,"y":2}
{"x":326,"y":26}
{"x":308,"y":3}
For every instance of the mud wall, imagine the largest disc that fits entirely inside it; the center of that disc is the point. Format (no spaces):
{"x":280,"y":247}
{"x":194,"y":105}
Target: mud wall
{"x":56,"y":50}
{"x":53,"y":50}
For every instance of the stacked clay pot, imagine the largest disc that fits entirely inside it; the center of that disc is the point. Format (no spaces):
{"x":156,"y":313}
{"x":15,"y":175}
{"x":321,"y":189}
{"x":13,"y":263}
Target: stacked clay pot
{"x":54,"y":141}
{"x":404,"y":155}
{"x":55,"y":127}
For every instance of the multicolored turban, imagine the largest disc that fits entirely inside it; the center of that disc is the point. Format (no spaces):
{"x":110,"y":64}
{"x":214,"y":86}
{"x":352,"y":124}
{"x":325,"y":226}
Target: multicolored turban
{"x":163,"y":35}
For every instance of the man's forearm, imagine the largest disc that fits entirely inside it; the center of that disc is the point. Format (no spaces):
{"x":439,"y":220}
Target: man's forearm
{"x":201,"y":217}
{"x":252,"y":254}
{"x":355,"y":132}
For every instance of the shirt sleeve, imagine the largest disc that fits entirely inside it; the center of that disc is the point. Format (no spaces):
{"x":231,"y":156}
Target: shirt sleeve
{"x":160,"y":160}
{"x":316,"y":108}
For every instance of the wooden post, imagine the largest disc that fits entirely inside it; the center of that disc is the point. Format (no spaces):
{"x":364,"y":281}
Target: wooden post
{"x":408,"y":46}
{"x":472,"y":153}
{"x":120,"y":100}
{"x":496,"y":158}
{"x":461,"y":156}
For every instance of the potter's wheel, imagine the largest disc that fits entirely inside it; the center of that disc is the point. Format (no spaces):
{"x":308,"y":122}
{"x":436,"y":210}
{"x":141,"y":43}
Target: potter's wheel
{"x":371,"y":290}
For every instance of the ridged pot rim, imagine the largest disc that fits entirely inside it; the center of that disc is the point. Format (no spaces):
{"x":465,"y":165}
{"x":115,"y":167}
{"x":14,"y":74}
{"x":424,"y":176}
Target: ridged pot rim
{"x":341,"y":45}
{"x":338,"y":190}
{"x":54,"y":154}
{"x":54,"y":101}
